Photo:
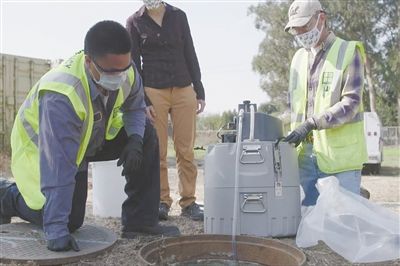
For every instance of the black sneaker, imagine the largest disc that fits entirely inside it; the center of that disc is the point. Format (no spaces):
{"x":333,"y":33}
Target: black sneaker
{"x":163,"y":211}
{"x":157,"y":230}
{"x":194,"y":212}
{"x":4,"y":184}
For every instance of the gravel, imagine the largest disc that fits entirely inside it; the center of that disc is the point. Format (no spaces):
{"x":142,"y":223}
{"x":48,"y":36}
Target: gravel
{"x":384,"y":189}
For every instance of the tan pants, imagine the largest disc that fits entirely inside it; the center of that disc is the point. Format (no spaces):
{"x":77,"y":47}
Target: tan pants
{"x":181,"y":104}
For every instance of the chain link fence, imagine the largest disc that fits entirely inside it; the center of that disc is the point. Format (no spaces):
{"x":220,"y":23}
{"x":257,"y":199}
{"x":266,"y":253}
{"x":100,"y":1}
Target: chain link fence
{"x":391,"y":135}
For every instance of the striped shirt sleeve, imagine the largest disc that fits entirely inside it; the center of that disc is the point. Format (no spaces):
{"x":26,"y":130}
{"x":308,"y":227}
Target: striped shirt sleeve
{"x":347,"y":108}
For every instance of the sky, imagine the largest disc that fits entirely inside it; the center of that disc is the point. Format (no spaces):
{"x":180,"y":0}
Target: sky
{"x":224,"y":37}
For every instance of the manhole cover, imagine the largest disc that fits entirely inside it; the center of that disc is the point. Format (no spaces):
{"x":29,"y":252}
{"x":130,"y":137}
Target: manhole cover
{"x":22,"y":242}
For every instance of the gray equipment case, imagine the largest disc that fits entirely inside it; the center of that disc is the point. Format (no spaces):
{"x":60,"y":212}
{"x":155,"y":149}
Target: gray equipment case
{"x":268,"y":189}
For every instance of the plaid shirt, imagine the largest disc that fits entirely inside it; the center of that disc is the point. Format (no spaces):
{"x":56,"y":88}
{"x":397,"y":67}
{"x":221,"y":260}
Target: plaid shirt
{"x":352,"y":86}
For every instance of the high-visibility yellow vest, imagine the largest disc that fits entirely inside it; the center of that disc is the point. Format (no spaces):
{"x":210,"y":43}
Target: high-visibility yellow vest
{"x":70,"y":80}
{"x":341,"y":148}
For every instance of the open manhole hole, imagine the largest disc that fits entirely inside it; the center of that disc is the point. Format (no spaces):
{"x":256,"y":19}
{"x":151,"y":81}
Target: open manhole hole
{"x":217,"y":250}
{"x":25,"y":242}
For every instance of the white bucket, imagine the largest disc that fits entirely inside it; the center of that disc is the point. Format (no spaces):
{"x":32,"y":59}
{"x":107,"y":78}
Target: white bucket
{"x":108,"y":189}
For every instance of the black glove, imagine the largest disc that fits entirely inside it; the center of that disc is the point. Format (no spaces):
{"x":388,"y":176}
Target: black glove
{"x":132,"y":155}
{"x":300,"y":133}
{"x":63,"y":243}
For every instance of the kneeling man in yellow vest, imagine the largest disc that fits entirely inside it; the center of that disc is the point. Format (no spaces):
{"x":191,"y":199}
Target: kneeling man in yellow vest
{"x":90,"y":108}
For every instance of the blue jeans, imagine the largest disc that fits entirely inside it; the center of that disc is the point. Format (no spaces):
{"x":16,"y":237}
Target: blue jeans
{"x":310,"y":173}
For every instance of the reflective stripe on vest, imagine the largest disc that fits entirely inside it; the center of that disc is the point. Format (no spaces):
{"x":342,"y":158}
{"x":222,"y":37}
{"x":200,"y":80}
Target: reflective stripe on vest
{"x":29,"y":129}
{"x":341,"y":148}
{"x":298,"y":99}
{"x":115,"y":121}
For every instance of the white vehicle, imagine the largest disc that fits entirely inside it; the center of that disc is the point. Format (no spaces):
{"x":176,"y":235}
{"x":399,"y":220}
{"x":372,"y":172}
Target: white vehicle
{"x":372,"y":129}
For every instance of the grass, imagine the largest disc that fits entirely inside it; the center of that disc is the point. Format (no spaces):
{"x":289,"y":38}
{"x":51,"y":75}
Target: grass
{"x":198,"y":153}
{"x":391,"y":156}
{"x":203,"y":139}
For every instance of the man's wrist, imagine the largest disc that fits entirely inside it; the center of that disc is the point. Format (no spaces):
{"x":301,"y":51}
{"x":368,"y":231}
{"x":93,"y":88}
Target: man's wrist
{"x":311,"y":122}
{"x":55,"y":231}
{"x":136,"y":138}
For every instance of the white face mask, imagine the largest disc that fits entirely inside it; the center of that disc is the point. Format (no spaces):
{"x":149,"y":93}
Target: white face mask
{"x":152,"y":4}
{"x":310,"y":39}
{"x":110,"y":82}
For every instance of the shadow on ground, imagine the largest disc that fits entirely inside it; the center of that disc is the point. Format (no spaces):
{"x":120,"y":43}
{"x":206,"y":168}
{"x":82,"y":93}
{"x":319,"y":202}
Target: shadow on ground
{"x":390,"y":171}
{"x":385,"y":171}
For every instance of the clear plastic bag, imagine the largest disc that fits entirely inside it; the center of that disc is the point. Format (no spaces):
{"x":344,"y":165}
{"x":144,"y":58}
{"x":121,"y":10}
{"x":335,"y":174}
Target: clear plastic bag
{"x":355,"y":228}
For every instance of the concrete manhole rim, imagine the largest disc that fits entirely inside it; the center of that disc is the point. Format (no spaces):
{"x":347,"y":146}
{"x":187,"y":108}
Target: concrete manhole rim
{"x":272,"y":245}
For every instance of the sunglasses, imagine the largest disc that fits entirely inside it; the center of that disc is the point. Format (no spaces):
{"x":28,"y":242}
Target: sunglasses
{"x":111,"y":70}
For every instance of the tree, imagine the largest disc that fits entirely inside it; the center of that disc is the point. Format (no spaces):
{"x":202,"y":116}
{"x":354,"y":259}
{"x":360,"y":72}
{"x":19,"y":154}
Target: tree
{"x":268,"y":108}
{"x":227,"y":117}
{"x":374,"y":22}
{"x":275,"y":51}
{"x":209,"y":122}
{"x":215,"y":121}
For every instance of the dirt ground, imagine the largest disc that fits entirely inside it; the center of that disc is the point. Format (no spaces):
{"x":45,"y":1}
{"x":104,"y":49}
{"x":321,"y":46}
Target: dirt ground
{"x":384,"y":189}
